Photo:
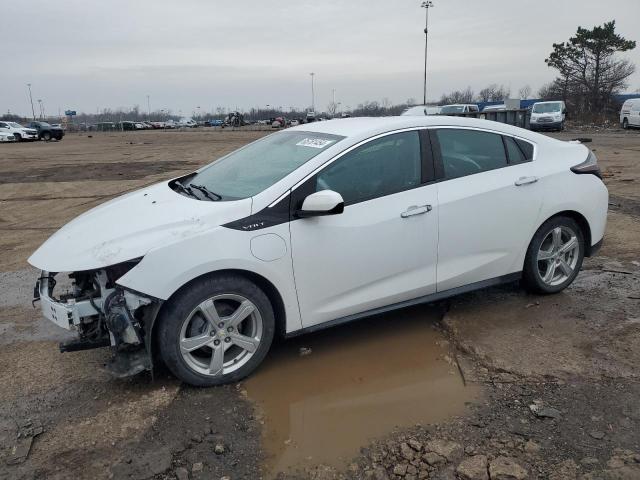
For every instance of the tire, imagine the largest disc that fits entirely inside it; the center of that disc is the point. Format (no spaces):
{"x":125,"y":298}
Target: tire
{"x":550,"y":265}
{"x":203,"y":355}
{"x":46,"y":136}
{"x":625,"y":124}
{"x":18,"y":137}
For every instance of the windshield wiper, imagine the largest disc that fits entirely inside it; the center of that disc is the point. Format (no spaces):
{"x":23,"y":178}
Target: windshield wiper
{"x":184,"y":189}
{"x":207,"y":193}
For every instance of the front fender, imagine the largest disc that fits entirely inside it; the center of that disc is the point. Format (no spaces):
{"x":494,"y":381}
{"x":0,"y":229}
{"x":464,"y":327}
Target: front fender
{"x":164,"y":270}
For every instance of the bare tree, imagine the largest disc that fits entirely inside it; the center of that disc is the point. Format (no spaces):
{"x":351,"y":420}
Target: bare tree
{"x":332,"y":108}
{"x":493,"y":93}
{"x":458,"y":96}
{"x":525,"y":92}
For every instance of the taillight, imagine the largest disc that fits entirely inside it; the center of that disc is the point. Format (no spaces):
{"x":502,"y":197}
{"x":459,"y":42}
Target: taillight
{"x":590,"y":165}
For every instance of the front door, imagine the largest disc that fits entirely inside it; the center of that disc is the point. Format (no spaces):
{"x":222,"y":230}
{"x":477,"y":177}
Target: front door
{"x":383,"y":248}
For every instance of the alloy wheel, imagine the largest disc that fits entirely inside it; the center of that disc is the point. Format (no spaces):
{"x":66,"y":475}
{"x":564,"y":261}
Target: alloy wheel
{"x":558,"y":255}
{"x":221,"y":335}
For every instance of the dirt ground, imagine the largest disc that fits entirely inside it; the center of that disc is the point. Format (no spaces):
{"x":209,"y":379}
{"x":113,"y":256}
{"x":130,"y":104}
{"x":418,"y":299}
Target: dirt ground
{"x":559,"y":374}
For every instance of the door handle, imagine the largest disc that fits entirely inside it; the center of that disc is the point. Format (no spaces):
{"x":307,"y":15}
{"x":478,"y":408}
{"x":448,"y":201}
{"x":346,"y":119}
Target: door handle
{"x":525,"y":181}
{"x":416,"y":210}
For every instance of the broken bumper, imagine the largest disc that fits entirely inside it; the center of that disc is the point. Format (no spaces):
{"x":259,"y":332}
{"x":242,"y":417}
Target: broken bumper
{"x":66,"y":315}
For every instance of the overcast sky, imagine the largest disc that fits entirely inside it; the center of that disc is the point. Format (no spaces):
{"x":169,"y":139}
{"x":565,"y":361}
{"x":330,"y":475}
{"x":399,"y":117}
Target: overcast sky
{"x":85,"y":55}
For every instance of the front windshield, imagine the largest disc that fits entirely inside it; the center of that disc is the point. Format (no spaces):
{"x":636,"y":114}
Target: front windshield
{"x":546,"y":107}
{"x":452,"y":109}
{"x":15,"y":125}
{"x":252,"y":169}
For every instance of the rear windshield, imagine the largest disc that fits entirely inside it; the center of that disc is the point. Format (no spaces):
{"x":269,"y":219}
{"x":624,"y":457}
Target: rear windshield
{"x":254,"y":168}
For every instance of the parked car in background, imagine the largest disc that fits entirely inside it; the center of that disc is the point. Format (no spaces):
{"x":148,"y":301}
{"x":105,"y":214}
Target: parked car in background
{"x":19,"y":132}
{"x":213,"y":123}
{"x":421,"y":110}
{"x":140,"y":126}
{"x":372,"y":215}
{"x":127,"y":125}
{"x":548,"y":116}
{"x":6,"y":137}
{"x":47,"y":131}
{"x":458,"y":108}
{"x":494,"y":108}
{"x":295,"y":123}
{"x":187,"y":122}
{"x":630,"y":113}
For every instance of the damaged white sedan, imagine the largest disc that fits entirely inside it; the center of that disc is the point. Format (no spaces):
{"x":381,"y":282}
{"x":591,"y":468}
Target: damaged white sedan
{"x":314,"y":226}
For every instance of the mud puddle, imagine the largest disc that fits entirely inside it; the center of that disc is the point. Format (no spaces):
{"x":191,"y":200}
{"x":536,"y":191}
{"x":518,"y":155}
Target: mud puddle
{"x":358,"y":382}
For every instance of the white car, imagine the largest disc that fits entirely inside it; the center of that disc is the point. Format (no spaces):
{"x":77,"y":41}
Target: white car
{"x":6,"y":137}
{"x":421,"y":110}
{"x":19,"y":132}
{"x":315,"y":226}
{"x":630,"y":113}
{"x":548,"y":116}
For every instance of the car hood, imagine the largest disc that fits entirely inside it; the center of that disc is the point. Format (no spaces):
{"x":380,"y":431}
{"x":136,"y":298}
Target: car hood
{"x":131,"y":225}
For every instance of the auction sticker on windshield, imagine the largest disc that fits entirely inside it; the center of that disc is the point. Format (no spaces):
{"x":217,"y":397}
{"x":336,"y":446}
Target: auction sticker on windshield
{"x":315,"y":142}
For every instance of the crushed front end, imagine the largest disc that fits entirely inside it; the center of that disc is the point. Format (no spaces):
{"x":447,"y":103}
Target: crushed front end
{"x":102,"y":313}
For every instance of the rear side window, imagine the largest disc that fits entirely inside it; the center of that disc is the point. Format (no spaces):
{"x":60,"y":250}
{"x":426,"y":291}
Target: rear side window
{"x":465,"y":152}
{"x":526,"y":147}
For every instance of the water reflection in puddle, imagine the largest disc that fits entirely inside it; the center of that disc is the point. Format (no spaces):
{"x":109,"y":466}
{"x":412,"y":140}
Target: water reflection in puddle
{"x":359,"y":382}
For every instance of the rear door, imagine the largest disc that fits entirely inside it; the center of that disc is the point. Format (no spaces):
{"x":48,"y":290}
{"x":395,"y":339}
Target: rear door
{"x":489,"y":199}
{"x":383,"y":248}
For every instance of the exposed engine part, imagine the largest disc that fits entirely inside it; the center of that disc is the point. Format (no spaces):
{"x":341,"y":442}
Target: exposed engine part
{"x":121,"y":324}
{"x":77,"y":344}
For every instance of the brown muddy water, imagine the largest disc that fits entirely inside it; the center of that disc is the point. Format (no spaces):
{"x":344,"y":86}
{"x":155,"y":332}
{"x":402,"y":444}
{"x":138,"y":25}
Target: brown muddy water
{"x":359,"y":382}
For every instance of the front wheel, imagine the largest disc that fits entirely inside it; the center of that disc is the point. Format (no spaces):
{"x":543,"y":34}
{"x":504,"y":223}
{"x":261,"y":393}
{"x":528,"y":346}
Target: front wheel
{"x":625,"y":123}
{"x":554,"y":256}
{"x":46,"y":136}
{"x":217,"y":331}
{"x":18,"y":137}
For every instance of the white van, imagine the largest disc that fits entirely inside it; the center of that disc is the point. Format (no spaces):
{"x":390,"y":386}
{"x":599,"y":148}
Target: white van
{"x":630,"y":113}
{"x":459,"y":108}
{"x":548,"y":115}
{"x":420,"y":110}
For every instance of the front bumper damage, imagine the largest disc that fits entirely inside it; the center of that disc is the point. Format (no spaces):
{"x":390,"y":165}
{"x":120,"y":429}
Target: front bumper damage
{"x":103,"y":314}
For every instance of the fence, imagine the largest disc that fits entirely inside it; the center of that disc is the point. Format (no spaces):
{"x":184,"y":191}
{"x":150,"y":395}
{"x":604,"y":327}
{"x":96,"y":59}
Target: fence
{"x":518,"y":118}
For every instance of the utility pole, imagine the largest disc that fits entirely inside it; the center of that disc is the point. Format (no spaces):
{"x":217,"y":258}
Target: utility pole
{"x":426,"y":5}
{"x":33,"y":111}
{"x":313,"y":93}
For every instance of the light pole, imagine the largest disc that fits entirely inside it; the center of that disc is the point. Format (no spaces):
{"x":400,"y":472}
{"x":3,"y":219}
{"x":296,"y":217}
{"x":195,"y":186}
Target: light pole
{"x":40,"y":107}
{"x":33,"y":111}
{"x":426,"y":5}
{"x":149,"y":107}
{"x":313,"y":93}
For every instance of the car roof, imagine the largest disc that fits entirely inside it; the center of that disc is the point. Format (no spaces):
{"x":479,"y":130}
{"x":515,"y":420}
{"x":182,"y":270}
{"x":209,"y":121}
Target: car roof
{"x":364,"y":127}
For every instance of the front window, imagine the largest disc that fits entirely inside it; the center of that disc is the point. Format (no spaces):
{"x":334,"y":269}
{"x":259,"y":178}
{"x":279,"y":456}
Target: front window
{"x":452,"y":109}
{"x":546,"y":108}
{"x":254,"y":168}
{"x":381,"y":167}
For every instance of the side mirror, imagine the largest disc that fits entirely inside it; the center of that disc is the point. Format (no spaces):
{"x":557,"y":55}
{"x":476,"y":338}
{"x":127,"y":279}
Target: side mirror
{"x":325,"y":202}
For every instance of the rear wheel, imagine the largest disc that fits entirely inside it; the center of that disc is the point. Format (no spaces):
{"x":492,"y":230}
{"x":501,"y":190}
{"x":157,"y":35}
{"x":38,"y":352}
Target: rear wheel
{"x":625,"y":123}
{"x":218,"y":331}
{"x":555,"y":256}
